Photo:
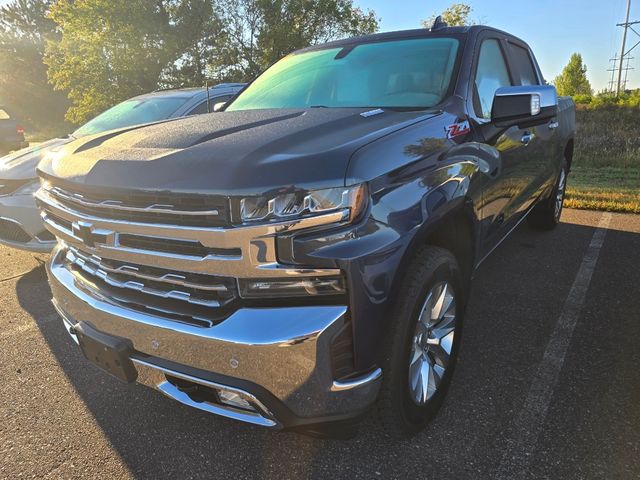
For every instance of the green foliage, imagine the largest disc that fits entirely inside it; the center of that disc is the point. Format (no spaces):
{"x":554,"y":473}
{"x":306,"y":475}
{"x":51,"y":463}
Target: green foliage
{"x":259,"y":32}
{"x":611,"y":100}
{"x":457,"y":15}
{"x":196,"y":38}
{"x":24,"y":90}
{"x":573,"y":79}
{"x":110,"y":50}
{"x":607,"y":136}
{"x":583,"y":99}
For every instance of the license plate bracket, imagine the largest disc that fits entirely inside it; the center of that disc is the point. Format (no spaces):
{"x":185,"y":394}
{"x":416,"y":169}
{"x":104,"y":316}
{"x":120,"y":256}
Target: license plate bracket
{"x":111,"y":354}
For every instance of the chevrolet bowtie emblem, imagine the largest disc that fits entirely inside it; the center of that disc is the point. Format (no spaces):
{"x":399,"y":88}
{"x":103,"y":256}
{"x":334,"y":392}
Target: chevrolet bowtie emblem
{"x":83,"y":231}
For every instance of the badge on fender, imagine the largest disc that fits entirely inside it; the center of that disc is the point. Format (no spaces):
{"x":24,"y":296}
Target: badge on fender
{"x":457,"y":129}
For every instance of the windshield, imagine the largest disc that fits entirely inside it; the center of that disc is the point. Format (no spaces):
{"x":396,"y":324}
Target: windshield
{"x":401,"y":73}
{"x":132,"y":112}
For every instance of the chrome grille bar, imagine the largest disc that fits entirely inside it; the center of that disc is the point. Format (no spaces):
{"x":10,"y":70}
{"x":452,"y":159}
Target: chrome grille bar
{"x":95,"y":269}
{"x":240,"y":252}
{"x":142,"y":273}
{"x":169,"y":209}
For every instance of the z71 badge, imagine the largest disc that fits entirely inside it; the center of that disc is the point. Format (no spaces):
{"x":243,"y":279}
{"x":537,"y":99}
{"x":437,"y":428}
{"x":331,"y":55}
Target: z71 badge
{"x":457,"y":129}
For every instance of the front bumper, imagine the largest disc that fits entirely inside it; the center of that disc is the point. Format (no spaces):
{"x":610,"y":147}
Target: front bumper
{"x":26,"y":229}
{"x":279,"y":356}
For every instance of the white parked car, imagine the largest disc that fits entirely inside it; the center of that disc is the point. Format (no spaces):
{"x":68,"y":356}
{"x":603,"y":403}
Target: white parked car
{"x":20,"y":223}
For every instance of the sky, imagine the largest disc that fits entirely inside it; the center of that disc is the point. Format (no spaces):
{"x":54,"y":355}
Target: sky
{"x":553,"y":28}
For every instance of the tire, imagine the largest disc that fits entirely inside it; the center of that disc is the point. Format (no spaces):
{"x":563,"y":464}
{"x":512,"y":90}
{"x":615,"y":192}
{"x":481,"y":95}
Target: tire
{"x":546,"y":215}
{"x":402,"y":408}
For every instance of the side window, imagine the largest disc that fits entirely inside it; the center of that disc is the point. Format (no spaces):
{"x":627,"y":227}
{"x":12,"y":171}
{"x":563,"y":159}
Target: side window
{"x":491,"y":75}
{"x":202,"y":108}
{"x":523,"y":64}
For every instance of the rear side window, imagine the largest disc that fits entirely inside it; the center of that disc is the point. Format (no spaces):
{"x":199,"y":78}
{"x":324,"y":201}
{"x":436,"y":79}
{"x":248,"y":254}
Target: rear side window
{"x":524,"y":65}
{"x":492,"y":74}
{"x":202,"y":108}
{"x":4,"y":115}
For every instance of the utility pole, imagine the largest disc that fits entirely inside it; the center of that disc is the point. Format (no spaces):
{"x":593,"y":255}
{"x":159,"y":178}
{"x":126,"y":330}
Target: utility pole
{"x":624,"y":44}
{"x":624,"y":53}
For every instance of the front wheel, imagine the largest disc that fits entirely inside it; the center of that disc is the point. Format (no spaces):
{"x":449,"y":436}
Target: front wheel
{"x":546,"y":215}
{"x":423,"y":342}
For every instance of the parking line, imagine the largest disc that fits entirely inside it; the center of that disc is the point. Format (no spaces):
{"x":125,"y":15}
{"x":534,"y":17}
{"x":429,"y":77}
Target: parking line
{"x":522,"y":442}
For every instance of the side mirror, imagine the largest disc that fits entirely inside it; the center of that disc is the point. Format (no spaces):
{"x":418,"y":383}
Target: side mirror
{"x":524,"y":106}
{"x":219,"y":106}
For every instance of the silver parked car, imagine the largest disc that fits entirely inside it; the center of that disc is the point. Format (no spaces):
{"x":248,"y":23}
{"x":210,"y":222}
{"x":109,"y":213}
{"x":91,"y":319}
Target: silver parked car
{"x":20,"y":223}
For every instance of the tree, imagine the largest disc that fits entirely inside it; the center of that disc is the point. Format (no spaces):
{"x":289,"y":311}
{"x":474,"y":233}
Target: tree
{"x":573,"y":79}
{"x":259,"y":32}
{"x":457,"y":15}
{"x":110,"y":50}
{"x":25,"y":30}
{"x":197,"y":37}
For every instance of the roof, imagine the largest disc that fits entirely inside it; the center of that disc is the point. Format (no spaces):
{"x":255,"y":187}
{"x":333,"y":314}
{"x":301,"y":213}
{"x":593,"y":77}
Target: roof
{"x":401,"y":34}
{"x":192,"y":91}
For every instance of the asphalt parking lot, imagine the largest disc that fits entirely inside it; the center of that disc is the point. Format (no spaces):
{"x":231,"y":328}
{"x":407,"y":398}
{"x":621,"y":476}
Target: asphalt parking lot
{"x":547,"y":386}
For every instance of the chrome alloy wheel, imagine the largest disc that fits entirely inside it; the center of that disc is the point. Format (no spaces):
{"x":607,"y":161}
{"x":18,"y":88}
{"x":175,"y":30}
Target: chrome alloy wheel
{"x":432,"y":342}
{"x":562,"y":183}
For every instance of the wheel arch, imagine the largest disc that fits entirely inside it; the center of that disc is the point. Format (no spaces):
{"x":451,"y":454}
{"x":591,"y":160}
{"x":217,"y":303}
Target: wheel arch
{"x":568,"y":152}
{"x":455,"y":230}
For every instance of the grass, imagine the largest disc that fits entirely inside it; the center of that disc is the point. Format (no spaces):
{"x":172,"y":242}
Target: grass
{"x":605,"y":174}
{"x":614,"y":189}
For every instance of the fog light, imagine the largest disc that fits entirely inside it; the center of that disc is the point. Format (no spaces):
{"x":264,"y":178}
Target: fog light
{"x":292,"y":288}
{"x":234,"y":399}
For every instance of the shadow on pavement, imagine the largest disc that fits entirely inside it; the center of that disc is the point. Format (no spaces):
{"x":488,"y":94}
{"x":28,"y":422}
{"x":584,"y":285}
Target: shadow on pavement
{"x":517,"y":296}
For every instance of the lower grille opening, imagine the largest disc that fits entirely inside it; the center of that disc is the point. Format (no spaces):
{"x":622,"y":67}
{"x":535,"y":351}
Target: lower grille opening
{"x":12,"y":232}
{"x":217,"y":396}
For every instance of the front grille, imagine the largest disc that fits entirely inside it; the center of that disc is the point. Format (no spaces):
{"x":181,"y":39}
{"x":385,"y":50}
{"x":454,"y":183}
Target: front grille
{"x":197,"y":299}
{"x":12,"y":232}
{"x":181,"y":209}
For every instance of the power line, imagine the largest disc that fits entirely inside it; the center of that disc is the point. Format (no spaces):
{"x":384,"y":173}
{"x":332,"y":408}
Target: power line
{"x":614,"y":69}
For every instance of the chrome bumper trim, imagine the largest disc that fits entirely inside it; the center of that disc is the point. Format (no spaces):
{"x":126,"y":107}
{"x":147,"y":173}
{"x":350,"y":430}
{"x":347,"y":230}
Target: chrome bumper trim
{"x":68,"y":324}
{"x":357,"y":382}
{"x":286,"y":351}
{"x":155,"y":377}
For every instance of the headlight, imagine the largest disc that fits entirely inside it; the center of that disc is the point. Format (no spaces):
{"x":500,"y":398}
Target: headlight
{"x":305,"y":203}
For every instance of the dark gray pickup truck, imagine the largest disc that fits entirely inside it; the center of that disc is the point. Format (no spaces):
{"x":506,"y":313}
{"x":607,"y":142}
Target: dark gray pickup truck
{"x":11,"y":133}
{"x":305,"y":256}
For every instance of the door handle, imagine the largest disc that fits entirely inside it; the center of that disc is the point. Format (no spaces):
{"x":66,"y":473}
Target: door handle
{"x":527,"y":137}
{"x":553,"y":125}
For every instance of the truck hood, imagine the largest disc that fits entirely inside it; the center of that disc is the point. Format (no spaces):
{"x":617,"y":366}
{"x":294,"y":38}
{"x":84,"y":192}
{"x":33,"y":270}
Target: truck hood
{"x":21,"y":165}
{"x":229,"y":152}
